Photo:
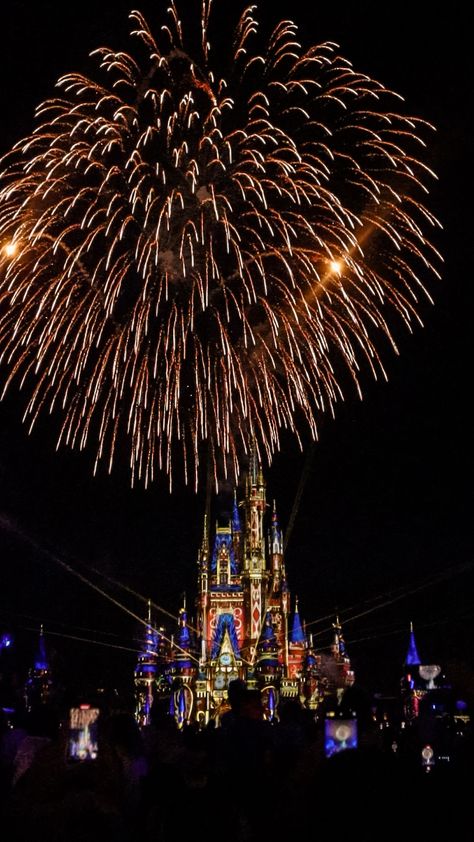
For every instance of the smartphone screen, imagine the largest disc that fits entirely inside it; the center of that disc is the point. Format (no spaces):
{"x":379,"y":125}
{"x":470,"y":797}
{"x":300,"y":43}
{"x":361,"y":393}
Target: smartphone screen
{"x":339,"y":734}
{"x":82,"y":737}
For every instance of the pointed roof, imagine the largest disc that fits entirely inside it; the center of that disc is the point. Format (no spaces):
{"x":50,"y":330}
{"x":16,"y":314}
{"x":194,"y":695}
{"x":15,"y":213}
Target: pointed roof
{"x":225,"y":625}
{"x":412,"y":658}
{"x":297,"y":634}
{"x":41,"y":660}
{"x":268,"y":637}
{"x":236,"y":523}
{"x":183,"y":646}
{"x":150,"y":636}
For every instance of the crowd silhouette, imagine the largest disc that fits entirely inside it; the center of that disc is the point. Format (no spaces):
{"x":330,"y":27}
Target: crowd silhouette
{"x":241,"y":778}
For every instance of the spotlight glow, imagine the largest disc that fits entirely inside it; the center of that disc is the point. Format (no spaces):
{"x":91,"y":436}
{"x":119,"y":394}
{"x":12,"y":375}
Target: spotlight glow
{"x":336,"y":266}
{"x":11,"y":249}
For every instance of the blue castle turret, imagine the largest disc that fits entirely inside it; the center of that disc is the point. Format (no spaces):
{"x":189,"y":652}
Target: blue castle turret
{"x":146,"y":671}
{"x":412,"y":657}
{"x":184,"y":670}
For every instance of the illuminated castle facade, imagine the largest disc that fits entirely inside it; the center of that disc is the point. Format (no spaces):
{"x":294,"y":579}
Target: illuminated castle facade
{"x":246,"y":627}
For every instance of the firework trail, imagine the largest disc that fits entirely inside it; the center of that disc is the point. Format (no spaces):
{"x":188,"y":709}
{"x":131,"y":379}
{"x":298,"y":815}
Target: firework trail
{"x":188,"y":258}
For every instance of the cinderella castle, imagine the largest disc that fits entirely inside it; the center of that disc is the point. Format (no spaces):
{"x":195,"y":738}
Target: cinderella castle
{"x":247,"y":627}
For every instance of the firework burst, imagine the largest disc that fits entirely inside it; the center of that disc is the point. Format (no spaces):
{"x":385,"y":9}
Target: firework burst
{"x":188,"y":258}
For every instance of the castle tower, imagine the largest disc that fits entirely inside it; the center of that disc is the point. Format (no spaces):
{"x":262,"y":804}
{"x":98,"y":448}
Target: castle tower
{"x":277,"y":598}
{"x":312,"y":688}
{"x":183,"y":671}
{"x":225,"y":633}
{"x":255,"y":574}
{"x":412,"y":687}
{"x":268,"y":668}
{"x":297,"y":646}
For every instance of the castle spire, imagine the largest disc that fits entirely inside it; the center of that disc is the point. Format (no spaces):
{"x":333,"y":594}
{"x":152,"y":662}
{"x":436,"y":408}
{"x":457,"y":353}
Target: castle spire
{"x":276,"y":535}
{"x":297,"y":634}
{"x":236,"y":524}
{"x":203,"y":578}
{"x":204,"y":553}
{"x":253,"y":464}
{"x":255,"y":571}
{"x":412,"y":658}
{"x":41,"y":660}
{"x":255,"y":505}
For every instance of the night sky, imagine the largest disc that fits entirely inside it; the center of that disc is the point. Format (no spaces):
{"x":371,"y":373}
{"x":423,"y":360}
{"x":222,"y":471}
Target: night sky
{"x":385,"y":510}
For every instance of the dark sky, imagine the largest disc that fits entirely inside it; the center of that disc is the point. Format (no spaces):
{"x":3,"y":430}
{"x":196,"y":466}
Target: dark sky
{"x":386,"y":506}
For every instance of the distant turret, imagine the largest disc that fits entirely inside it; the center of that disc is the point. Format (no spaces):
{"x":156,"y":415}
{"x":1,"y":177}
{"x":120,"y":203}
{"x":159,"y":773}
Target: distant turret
{"x":268,"y":668}
{"x":412,"y":687}
{"x":339,"y":674}
{"x":267,"y":650}
{"x":297,"y":634}
{"x":297,"y":646}
{"x":338,"y":647}
{"x":39,"y":683}
{"x":412,"y":658}
{"x":184,"y":670}
{"x":183,"y":636}
{"x":146,"y":671}
{"x":276,"y":552}
{"x":313,"y":691}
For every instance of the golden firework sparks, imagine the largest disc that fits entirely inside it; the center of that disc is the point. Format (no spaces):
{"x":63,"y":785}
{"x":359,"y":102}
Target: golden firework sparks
{"x":192,"y":258}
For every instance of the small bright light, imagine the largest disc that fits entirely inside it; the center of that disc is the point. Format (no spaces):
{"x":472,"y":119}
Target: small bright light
{"x":427,"y":753}
{"x":10,"y":249}
{"x":336,"y":266}
{"x":343,"y":732}
{"x":6,"y":641}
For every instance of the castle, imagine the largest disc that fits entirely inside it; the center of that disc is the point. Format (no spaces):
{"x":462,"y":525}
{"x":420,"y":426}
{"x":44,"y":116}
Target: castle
{"x":247,"y":627}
